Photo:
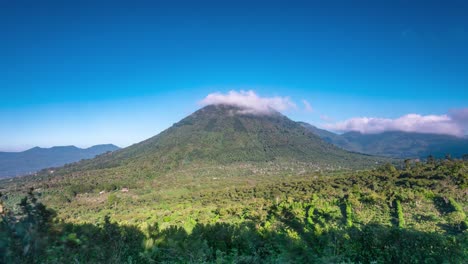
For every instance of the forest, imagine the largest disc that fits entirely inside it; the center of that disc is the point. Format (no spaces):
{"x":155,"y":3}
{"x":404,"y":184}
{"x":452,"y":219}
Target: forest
{"x":249,"y":132}
{"x":415,"y":213}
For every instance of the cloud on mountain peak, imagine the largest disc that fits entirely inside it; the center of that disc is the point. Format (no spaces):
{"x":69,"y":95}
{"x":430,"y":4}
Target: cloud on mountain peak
{"x":250,"y":102}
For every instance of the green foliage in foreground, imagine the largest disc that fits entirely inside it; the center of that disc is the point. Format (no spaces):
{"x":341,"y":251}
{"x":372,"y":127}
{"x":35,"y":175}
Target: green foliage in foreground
{"x":386,"y":215}
{"x":401,"y":218}
{"x":32,"y":237}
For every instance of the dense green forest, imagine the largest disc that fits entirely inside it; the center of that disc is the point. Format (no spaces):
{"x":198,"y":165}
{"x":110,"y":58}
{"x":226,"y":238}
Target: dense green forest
{"x":412,"y":214}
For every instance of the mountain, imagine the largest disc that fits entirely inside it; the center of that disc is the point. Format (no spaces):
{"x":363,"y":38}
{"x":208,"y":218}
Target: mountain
{"x":331,"y":137}
{"x":223,"y":181}
{"x":221,"y":135}
{"x":396,"y":143}
{"x":32,"y":160}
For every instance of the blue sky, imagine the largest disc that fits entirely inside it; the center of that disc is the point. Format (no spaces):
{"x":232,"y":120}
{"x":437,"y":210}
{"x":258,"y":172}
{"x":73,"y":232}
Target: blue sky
{"x":86,"y":73}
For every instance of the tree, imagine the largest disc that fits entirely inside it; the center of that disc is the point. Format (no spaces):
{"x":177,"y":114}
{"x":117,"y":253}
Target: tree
{"x":388,"y":167}
{"x":430,"y":160}
{"x":27,"y":232}
{"x":407,"y":164}
{"x":465,"y":157}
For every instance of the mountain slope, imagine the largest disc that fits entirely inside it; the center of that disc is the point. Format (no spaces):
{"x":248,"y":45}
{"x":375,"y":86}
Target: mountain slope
{"x":396,"y":143}
{"x":332,"y":138}
{"x":223,"y":135}
{"x":32,"y":160}
{"x":404,"y":144}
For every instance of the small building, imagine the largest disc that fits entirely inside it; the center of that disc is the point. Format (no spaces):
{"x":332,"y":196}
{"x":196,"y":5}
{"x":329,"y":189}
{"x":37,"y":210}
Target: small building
{"x":124,"y":190}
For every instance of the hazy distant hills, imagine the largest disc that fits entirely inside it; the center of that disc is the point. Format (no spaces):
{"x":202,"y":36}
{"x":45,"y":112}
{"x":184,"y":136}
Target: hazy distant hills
{"x":32,"y":160}
{"x":396,"y":143}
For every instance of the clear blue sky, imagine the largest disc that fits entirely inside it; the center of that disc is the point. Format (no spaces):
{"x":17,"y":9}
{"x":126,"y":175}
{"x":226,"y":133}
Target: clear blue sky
{"x":84,"y":73}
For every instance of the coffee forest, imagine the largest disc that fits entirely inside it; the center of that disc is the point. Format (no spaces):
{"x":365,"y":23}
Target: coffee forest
{"x":415,"y":214}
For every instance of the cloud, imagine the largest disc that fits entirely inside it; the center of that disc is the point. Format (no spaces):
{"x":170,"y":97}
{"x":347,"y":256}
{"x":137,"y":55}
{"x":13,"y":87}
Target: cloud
{"x":326,"y":118}
{"x":450,"y":124}
{"x":459,"y":115}
{"x":307,"y":106}
{"x":250,"y":102}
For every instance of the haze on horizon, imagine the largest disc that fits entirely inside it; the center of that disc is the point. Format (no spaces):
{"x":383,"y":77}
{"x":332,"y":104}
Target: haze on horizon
{"x":86,"y":73}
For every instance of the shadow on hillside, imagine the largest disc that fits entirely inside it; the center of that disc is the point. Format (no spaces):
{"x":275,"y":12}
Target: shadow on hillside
{"x":442,"y":205}
{"x":289,"y":241}
{"x":32,"y":236}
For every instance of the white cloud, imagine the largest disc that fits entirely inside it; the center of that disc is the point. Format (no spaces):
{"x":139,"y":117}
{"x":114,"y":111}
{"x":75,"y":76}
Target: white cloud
{"x":307,"y":106}
{"x":451,"y":124}
{"x":459,"y":115}
{"x":250,"y":102}
{"x":326,"y":118}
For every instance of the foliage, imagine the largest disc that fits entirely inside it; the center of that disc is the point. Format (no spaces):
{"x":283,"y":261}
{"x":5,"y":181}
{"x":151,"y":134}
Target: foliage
{"x":24,"y":235}
{"x":289,"y":239}
{"x":243,"y":214}
{"x":349,"y":215}
{"x":401,"y":217}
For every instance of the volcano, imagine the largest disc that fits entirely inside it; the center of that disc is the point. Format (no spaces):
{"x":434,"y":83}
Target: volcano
{"x":224,"y":134}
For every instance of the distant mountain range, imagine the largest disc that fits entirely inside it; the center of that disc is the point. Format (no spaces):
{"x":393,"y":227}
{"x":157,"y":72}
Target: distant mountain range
{"x":395,"y":143}
{"x":32,"y":160}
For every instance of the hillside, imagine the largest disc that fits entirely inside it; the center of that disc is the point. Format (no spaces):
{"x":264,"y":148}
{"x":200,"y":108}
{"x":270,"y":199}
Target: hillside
{"x":413,"y":215}
{"x":32,"y":160}
{"x":222,"y":135}
{"x":226,"y":186}
{"x":396,"y":143}
{"x":215,"y":140}
{"x":331,"y":137}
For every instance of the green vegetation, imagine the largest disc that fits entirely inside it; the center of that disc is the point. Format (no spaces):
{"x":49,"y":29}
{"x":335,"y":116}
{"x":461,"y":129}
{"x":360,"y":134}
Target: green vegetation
{"x":223,"y":187}
{"x":457,"y":217}
{"x":336,"y":217}
{"x":349,"y":215}
{"x":218,"y":135}
{"x":401,"y":218}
